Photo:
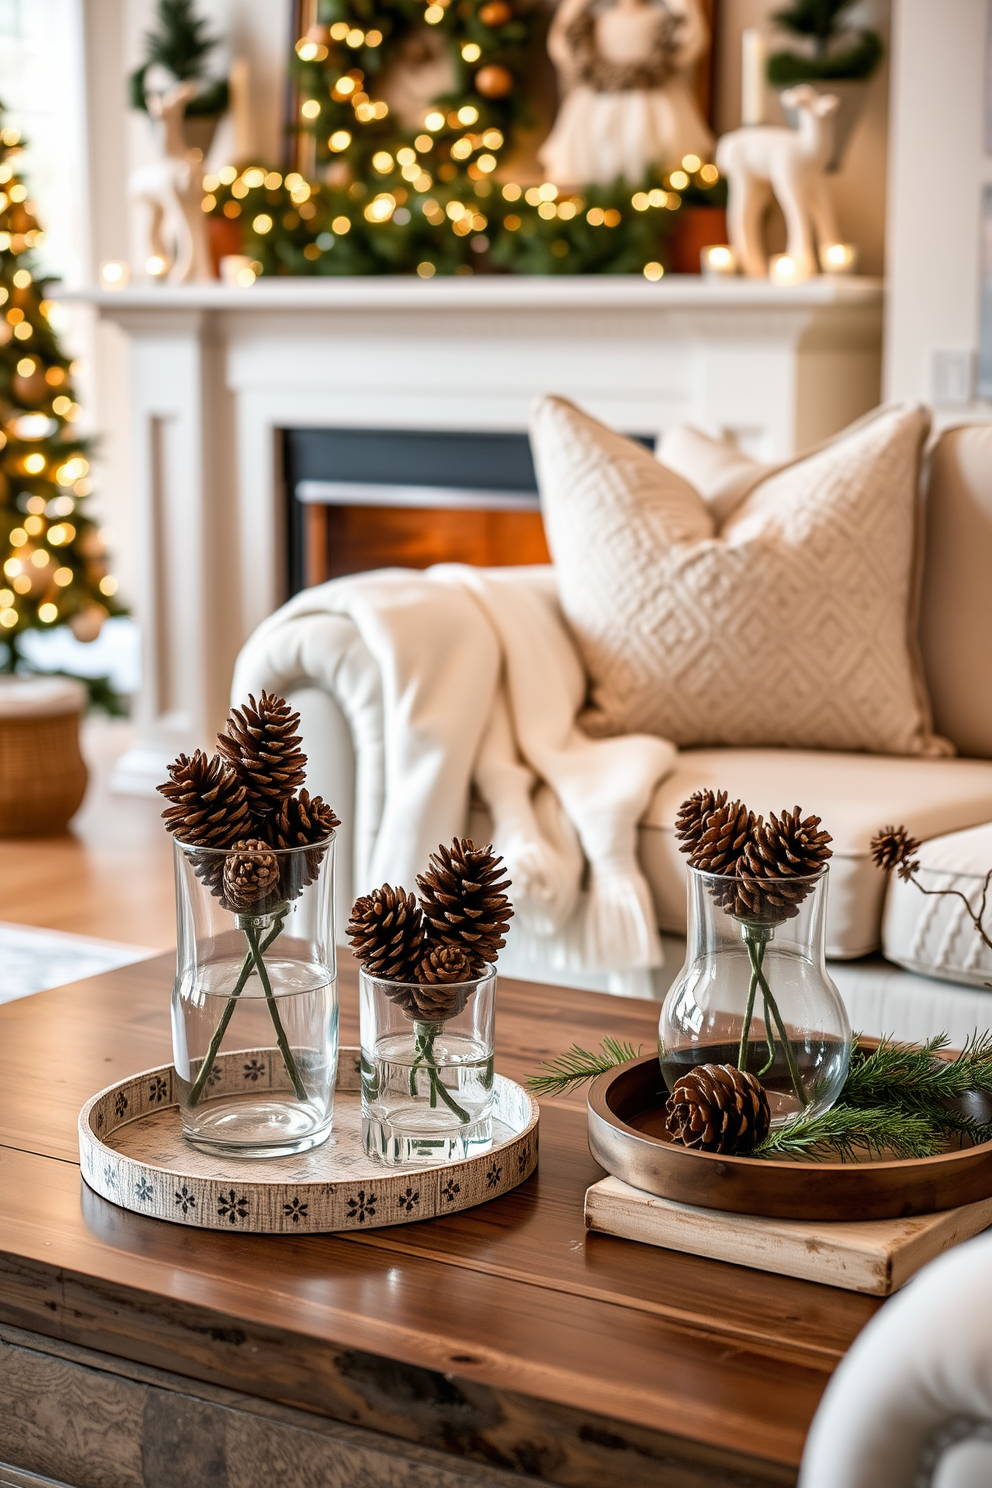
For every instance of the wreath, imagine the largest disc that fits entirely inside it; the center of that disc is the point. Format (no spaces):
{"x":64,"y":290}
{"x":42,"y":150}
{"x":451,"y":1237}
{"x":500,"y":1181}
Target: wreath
{"x":434,"y":198}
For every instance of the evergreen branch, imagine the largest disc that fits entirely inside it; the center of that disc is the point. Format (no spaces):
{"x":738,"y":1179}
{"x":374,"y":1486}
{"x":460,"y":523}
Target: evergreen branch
{"x":574,"y":1068}
{"x":845,"y":1131}
{"x":913,"y":1078}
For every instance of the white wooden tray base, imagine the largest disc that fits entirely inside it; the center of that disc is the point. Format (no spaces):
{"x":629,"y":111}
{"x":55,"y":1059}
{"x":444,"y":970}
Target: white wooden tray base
{"x":876,"y":1256}
{"x":132,"y":1152}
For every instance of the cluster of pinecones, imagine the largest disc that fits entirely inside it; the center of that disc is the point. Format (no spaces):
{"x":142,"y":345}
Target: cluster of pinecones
{"x":767,"y":865}
{"x":893,"y":847}
{"x":718,"y":1108}
{"x":447,"y":937}
{"x":248,"y":800}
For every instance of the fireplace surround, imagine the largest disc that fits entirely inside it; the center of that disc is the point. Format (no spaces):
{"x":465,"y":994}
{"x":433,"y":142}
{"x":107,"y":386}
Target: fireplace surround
{"x":221,"y":377}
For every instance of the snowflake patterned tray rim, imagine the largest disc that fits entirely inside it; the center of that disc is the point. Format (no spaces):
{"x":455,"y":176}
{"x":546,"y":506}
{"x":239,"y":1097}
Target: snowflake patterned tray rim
{"x":132,"y":1153}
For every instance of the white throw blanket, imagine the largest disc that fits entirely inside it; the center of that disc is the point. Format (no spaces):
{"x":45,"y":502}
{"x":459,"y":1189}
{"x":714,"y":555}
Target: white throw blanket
{"x":480,"y":683}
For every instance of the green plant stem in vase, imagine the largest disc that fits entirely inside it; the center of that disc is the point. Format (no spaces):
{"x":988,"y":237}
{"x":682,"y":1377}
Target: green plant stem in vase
{"x":756,"y":938}
{"x":426,"y":1035}
{"x":253,"y":959}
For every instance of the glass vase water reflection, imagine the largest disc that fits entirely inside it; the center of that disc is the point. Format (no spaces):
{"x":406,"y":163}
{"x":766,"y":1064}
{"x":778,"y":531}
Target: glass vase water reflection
{"x":255,"y":1002}
{"x":754,"y":992}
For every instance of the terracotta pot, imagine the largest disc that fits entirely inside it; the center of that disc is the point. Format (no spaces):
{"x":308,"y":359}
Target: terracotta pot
{"x":223,"y":240}
{"x":696,"y":228}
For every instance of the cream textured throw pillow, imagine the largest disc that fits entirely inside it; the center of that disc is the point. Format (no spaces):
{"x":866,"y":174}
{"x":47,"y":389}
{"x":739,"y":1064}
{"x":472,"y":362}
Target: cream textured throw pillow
{"x":786,"y":621}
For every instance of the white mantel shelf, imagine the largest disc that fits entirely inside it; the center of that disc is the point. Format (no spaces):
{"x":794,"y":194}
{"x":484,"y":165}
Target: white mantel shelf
{"x":512,"y":292}
{"x":217,"y":373}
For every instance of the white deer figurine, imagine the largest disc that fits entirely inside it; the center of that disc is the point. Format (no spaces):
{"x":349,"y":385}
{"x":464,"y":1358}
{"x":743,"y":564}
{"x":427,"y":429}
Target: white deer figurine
{"x":760,"y":159}
{"x":171,"y":187}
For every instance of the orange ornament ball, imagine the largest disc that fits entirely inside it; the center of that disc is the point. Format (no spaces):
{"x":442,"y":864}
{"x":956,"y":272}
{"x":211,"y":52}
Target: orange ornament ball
{"x":495,"y":13}
{"x":494,"y":81}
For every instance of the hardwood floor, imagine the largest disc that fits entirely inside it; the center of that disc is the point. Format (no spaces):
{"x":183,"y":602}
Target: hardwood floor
{"x":110,"y":875}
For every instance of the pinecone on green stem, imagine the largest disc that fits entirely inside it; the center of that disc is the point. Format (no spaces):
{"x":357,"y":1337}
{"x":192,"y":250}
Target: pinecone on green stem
{"x":778,"y":865}
{"x":386,"y":931}
{"x":251,"y":878}
{"x":262,"y":746}
{"x":209,"y":803}
{"x":463,"y":901}
{"x":715,"y":833}
{"x":299,"y":822}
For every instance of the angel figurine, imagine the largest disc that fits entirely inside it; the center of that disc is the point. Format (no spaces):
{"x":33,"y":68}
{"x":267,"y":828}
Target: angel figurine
{"x":625,"y":69}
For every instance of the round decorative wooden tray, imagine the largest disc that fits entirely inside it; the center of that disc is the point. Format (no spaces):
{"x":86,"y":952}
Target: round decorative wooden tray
{"x":627,"y":1136}
{"x":132,"y":1152}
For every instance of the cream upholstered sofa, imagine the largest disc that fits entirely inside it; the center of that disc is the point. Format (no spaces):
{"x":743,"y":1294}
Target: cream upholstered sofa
{"x":944,"y":801}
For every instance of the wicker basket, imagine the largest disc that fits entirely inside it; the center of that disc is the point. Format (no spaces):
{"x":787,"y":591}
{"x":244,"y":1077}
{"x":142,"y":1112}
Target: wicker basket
{"x":42,"y":773}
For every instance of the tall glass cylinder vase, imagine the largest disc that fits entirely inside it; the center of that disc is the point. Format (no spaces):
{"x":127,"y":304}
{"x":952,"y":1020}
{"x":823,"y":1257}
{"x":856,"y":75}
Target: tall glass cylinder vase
{"x":754,"y":992}
{"x":255,"y":1001}
{"x":427,"y":1069}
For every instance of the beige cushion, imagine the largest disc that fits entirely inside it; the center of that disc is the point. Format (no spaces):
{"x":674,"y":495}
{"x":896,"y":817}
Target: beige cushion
{"x":787,"y":625}
{"x":854,"y":794}
{"x":721,"y":474}
{"x":956,"y":605}
{"x":932,"y":933}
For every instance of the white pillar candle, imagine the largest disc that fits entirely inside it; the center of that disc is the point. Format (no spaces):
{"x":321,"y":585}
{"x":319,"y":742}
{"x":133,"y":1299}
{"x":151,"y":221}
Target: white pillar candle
{"x":839,"y":258}
{"x":236,"y":269}
{"x":114,"y":275}
{"x":718,"y":260}
{"x":783,"y":269}
{"x":752,"y":76}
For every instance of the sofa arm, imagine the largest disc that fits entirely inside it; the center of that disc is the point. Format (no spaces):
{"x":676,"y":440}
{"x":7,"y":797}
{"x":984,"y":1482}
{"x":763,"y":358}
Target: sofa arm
{"x":321,"y":665}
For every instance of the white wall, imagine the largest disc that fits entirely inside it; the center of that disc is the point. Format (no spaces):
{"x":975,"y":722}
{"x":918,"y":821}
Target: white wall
{"x":937,"y":168}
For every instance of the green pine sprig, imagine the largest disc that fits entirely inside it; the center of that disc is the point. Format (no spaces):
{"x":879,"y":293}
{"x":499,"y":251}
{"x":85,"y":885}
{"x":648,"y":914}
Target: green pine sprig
{"x":844,"y":1132}
{"x":574,"y":1068}
{"x":914,"y":1077}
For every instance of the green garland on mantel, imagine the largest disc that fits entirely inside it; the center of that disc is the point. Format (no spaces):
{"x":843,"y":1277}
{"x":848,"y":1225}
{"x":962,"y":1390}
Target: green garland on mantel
{"x":437,"y":198}
{"x":894,"y":1102}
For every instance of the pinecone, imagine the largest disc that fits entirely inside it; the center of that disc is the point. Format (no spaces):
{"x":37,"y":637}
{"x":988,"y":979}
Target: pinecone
{"x":722,"y":835}
{"x":692,"y":814}
{"x":779,"y":860}
{"x":718,"y":1108}
{"x":251,"y":878}
{"x":263,"y":747}
{"x":893,"y":847}
{"x":209,"y":802}
{"x":387,"y":933}
{"x":300,"y":821}
{"x":463,"y":902}
{"x":445,"y":963}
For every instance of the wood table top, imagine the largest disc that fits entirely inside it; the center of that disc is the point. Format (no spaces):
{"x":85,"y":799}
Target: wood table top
{"x":514,"y":1330}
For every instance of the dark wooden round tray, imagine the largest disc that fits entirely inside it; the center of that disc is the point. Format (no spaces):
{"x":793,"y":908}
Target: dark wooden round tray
{"x":626,"y":1135}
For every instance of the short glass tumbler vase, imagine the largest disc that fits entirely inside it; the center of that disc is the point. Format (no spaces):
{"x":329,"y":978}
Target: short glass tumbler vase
{"x":754,"y":992}
{"x":255,"y":1000}
{"x":427,"y":1080}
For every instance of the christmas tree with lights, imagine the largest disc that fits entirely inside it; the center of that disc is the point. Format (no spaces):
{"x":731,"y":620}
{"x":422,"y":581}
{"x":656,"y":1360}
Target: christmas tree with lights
{"x":53,"y":558}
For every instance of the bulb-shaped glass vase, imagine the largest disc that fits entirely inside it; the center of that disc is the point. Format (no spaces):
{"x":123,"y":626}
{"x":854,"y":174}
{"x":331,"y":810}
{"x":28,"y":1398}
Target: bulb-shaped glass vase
{"x":754,"y":992}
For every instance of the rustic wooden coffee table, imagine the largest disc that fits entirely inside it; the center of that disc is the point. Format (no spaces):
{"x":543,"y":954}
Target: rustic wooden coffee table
{"x":499,"y":1346}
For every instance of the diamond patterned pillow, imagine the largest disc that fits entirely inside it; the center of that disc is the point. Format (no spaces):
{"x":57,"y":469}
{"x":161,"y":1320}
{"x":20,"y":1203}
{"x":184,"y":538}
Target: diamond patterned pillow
{"x":788,"y":621}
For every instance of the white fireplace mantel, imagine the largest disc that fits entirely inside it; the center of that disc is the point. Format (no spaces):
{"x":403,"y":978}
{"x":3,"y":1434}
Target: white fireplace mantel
{"x":217,"y":372}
